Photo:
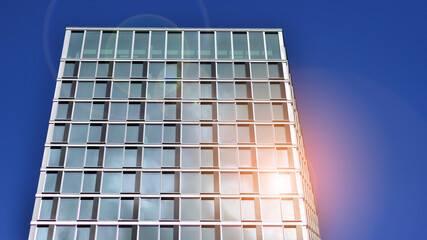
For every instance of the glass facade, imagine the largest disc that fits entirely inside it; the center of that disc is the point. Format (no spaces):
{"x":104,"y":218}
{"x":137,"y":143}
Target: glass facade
{"x":174,"y":134}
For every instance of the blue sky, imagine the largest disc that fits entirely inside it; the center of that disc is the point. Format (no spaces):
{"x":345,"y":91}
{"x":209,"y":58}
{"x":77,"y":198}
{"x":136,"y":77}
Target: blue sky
{"x":359,"y":70}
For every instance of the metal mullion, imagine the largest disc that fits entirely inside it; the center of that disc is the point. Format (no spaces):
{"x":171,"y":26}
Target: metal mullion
{"x":83,"y":44}
{"x":132,"y":46}
{"x":248,"y":42}
{"x":101,"y":33}
{"x":232,"y":47}
{"x":149,"y":48}
{"x":265,"y":47}
{"x":115,"y":45}
{"x":198,"y":44}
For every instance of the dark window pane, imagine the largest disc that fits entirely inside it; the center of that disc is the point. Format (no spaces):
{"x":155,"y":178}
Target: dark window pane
{"x":207,"y":46}
{"x":124,"y":44}
{"x":75,"y":46}
{"x":122,"y":70}
{"x":174,"y":45}
{"x":190,"y":70}
{"x":91,"y":44}
{"x":105,"y":70}
{"x":259,"y":71}
{"x":108,"y":45}
{"x":273,"y":47}
{"x":101,"y":90}
{"x":156,"y":70}
{"x":139,"y":69}
{"x":140,"y":49}
{"x":256,"y":40}
{"x":84,"y":90}
{"x":191,"y":44}
{"x":157,"y":49}
{"x":87,"y":69}
{"x":240,"y":45}
{"x":223,"y":44}
{"x":225,"y":70}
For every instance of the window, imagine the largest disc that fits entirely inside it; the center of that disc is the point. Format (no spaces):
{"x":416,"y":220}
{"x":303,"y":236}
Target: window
{"x":225,"y":71}
{"x":190,"y":70}
{"x":59,"y":133}
{"x":150,"y":183}
{"x":78,"y":133}
{"x":81,"y":111}
{"x":105,"y":70}
{"x":47,"y":212}
{"x":286,"y":183}
{"x":63,"y":110}
{"x":116,"y":133}
{"x":230,"y":183}
{"x":208,"y":157}
{"x":191,"y":90}
{"x":137,"y":90}
{"x":207,"y":90}
{"x":209,"y":183}
{"x":171,"y":133}
{"x":247,"y":158}
{"x":127,"y":209}
{"x":277,"y":90}
{"x":51,"y":182}
{"x":134,"y":133}
{"x":139,"y":70}
{"x":226,"y":112}
{"x":126,"y":233}
{"x":87,"y":69}
{"x":262,"y":111}
{"x":174,"y":45}
{"x":190,"y":158}
{"x":102,"y":90}
{"x":228,"y":158}
{"x":132,"y":156}
{"x":241,"y":70}
{"x":113,"y":158}
{"x":109,"y":211}
{"x":259,"y":70}
{"x":261,"y":91}
{"x":256,"y":40}
{"x":148,"y":232}
{"x":87,"y":209}
{"x":234,"y":233}
{"x":191,"y":43}
{"x":207,"y":45}
{"x":63,"y":232}
{"x":140,"y":47}
{"x":75,"y":45}
{"x":284,"y":157}
{"x":245,"y":134}
{"x":72,"y":182}
{"x":149,"y":211}
{"x":268,"y":183}
{"x":84,"y":90}
{"x":118,"y":111}
{"x":111,"y":182}
{"x":240,"y":45}
{"x":152,"y":158}
{"x":273,"y":233}
{"x":264,"y":134}
{"x":89,"y":182}
{"x":120,"y":90}
{"x":84,"y":232}
{"x":122,"y":70}
{"x":154,"y":112}
{"x":124,"y":44}
{"x":207,"y":70}
{"x":190,"y":112}
{"x":75,"y":157}
{"x":157,"y":48}
{"x":170,"y":182}
{"x":108,"y":45}
{"x":243,"y":111}
{"x":208,"y":133}
{"x":106,"y":233}
{"x":99,"y":111}
{"x":71,"y":69}
{"x":273,"y":47}
{"x":172,"y":90}
{"x":93,"y":157}
{"x":173,"y":70}
{"x":208,"y":209}
{"x":190,"y":182}
{"x":230,"y":210}
{"x":269,"y":210}
{"x":227,"y":134}
{"x":243,"y":90}
{"x":155,"y":90}
{"x":280,"y":112}
{"x":67,"y":90}
{"x":275,"y":70}
{"x":248,"y":209}
{"x":68,"y":209}
{"x":223,"y":45}
{"x":266,"y":158}
{"x":156,"y":70}
{"x":282,"y":134}
{"x":288,"y":212}
{"x":190,"y":233}
{"x":168,"y":210}
{"x":191,"y":135}
{"x":91,"y":44}
{"x":170,"y":157}
{"x":56,"y":157}
{"x":206,"y":111}
{"x":290,"y":233}
{"x":168,"y":232}
{"x":225,"y":90}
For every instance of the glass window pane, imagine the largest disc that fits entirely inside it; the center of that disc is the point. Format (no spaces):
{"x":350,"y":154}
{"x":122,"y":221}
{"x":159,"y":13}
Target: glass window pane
{"x":46,"y":209}
{"x":108,"y":45}
{"x":261,"y":91}
{"x":98,"y":110}
{"x":72,"y":182}
{"x":190,"y":210}
{"x":139,"y":69}
{"x":92,"y":157}
{"x":190,"y":90}
{"x":111,"y":183}
{"x":288,"y":212}
{"x":126,"y":233}
{"x":208,"y":183}
{"x":269,"y":210}
{"x":131,"y":157}
{"x":225,"y":70}
{"x":152,"y":158}
{"x":153,"y":134}
{"x":284,"y":158}
{"x":148,"y":233}
{"x":101,"y":89}
{"x":171,"y":111}
{"x":113,"y":158}
{"x":207,"y":157}
{"x":81,"y":111}
{"x":280,"y":112}
{"x":155,"y":90}
{"x":262,"y":112}
{"x":51,"y":182}
{"x":55,"y":157}
{"x":126,"y":209}
{"x":206,"y":90}
{"x":170,"y":134}
{"x":228,"y":158}
{"x":66,"y":90}
{"x":84,"y":90}
{"x":241,"y":70}
{"x":226,"y":112}
{"x":190,"y":183}
{"x":62,"y":111}
{"x":242,"y":112}
{"x":290,"y":233}
{"x":137,"y":90}
{"x":273,"y":233}
{"x":174,"y":45}
{"x":273,"y":47}
{"x":86,"y":209}
{"x":191,"y":135}
{"x":78,"y":133}
{"x":59,"y":133}
{"x":275,"y":70}
{"x":190,"y":70}
{"x":190,"y":233}
{"x":172,"y":90}
{"x":133,"y":133}
{"x":68,"y":209}
{"x":106,"y":233}
{"x":87,"y":70}
{"x":168,"y":209}
{"x":191,"y":49}
{"x":116,"y":133}
{"x":169,"y":183}
{"x":223,"y":45}
{"x":190,"y":112}
{"x":91,"y":44}
{"x":230,"y":184}
{"x":240,"y":45}
{"x":230,"y":209}
{"x":225,"y":90}
{"x":256,"y":40}
{"x":120,"y":90}
{"x":89,"y":182}
{"x":156,"y":70}
{"x":140,"y":48}
{"x":259,"y":70}
{"x":173,"y":70}
{"x":264,"y":134}
{"x":149,"y":210}
{"x":83,"y":233}
{"x":168,"y":233}
{"x":118,"y":111}
{"x":282,"y":133}
{"x":122,"y":70}
{"x":227,"y":134}
{"x":170,"y":157}
{"x":286,"y":183}
{"x":150,"y":182}
{"x":109,"y":210}
{"x":75,"y":157}
{"x":248,"y":210}
{"x":157,"y":49}
{"x":124,"y":44}
{"x":208,"y":208}
{"x":268,"y":183}
{"x":75,"y":45}
{"x":65,"y":233}
{"x":154,"y":112}
{"x":105,"y":70}
{"x":207,"y":46}
{"x":71,"y":69}
{"x":207,"y":70}
{"x":234,"y":233}
{"x":207,"y":134}
{"x":266,"y":158}
{"x":206,"y":111}
{"x":190,"y":158}
{"x":243,"y":90}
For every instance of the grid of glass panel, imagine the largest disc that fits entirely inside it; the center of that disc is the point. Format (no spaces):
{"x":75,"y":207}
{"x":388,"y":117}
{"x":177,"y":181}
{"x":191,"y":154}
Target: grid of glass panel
{"x":172,"y":134}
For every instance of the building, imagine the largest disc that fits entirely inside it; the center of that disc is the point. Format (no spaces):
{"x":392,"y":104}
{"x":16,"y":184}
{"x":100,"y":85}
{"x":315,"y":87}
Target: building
{"x":167,"y":133}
